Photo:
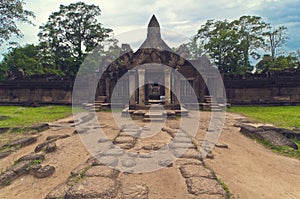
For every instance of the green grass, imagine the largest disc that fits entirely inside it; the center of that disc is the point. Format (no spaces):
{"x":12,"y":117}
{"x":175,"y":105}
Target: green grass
{"x":281,"y":116}
{"x":27,"y":116}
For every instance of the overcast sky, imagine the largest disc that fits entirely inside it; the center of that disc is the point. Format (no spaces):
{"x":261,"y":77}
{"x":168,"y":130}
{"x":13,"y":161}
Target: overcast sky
{"x":183,"y":16}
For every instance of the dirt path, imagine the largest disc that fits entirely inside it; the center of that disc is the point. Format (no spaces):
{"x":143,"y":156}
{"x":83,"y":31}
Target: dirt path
{"x":247,"y":168}
{"x":70,"y":153}
{"x":252,"y":171}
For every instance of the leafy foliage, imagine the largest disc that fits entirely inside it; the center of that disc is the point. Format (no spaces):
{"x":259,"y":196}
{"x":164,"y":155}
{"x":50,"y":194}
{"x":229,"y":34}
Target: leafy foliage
{"x":250,"y":30}
{"x":275,"y":39}
{"x":70,"y":34}
{"x":279,"y":63}
{"x":231,"y":45}
{"x":24,"y":62}
{"x":10,"y":12}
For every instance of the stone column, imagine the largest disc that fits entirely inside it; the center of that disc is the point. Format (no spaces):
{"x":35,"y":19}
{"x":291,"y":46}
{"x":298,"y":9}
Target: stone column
{"x":167,"y":87}
{"x":131,"y":87}
{"x":173,"y":87}
{"x":177,"y":87}
{"x":141,"y":73}
{"x":107,"y":88}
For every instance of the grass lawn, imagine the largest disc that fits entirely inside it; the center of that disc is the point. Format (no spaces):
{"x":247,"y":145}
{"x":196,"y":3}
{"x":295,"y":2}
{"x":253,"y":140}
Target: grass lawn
{"x":281,"y":116}
{"x":16,"y":116}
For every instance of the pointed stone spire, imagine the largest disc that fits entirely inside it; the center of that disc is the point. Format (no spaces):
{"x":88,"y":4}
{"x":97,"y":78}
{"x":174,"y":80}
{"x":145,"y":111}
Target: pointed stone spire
{"x":153,"y":22}
{"x":154,"y":39}
{"x":153,"y":29}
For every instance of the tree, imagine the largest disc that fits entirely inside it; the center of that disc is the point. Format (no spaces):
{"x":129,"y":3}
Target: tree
{"x":232,"y":44}
{"x":250,"y":30}
{"x":280,"y":63}
{"x":264,"y":65}
{"x":221,"y":41}
{"x":275,"y":39}
{"x":10,"y":12}
{"x":195,"y":51}
{"x":296,"y":56}
{"x":71,"y":33}
{"x":24,"y":62}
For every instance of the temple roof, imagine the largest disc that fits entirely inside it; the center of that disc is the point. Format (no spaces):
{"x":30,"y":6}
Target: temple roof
{"x":154,"y":39}
{"x":153,"y":50}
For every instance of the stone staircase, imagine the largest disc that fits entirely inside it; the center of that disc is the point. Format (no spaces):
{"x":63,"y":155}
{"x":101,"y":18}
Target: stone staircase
{"x":156,"y":113}
{"x":99,"y":104}
{"x":211,"y":104}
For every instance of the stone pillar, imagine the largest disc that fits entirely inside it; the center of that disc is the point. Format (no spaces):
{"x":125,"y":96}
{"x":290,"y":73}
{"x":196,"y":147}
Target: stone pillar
{"x":177,"y":88}
{"x":167,"y":87}
{"x":173,"y":87}
{"x":141,"y":73}
{"x":131,"y":87}
{"x":107,"y":88}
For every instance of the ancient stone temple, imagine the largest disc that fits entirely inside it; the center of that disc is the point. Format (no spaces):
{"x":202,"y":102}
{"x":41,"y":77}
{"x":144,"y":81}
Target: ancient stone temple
{"x":156,"y":74}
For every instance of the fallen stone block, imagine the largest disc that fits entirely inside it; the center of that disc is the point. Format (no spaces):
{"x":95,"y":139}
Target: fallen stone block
{"x":4,"y":154}
{"x":249,"y":130}
{"x":57,"y":137}
{"x":21,"y":142}
{"x":41,"y":146}
{"x":6,"y":177}
{"x":21,"y":168}
{"x":31,"y":157}
{"x":286,"y":132}
{"x":51,"y":147}
{"x":276,"y":139}
{"x":40,"y":127}
{"x":44,"y":171}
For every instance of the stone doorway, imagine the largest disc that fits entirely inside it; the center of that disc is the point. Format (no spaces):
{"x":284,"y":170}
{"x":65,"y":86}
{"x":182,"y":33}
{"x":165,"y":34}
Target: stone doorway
{"x":154,"y":93}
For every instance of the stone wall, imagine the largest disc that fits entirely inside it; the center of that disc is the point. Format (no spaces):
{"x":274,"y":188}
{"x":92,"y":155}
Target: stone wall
{"x":247,"y":90}
{"x":30,"y":92}
{"x":259,"y":90}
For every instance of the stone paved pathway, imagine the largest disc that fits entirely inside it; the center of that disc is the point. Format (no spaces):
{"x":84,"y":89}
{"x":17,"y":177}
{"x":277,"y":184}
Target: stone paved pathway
{"x":170,"y":170}
{"x":161,"y":165}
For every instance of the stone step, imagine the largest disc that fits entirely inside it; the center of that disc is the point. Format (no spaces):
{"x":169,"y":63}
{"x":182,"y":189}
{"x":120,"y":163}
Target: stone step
{"x":216,"y":109}
{"x":153,"y":120}
{"x":139,"y":112}
{"x":169,"y":113}
{"x":87,"y":104}
{"x":98,"y":103}
{"x":125,"y":112}
{"x":154,"y":101}
{"x":182,"y":112}
{"x":154,"y":115}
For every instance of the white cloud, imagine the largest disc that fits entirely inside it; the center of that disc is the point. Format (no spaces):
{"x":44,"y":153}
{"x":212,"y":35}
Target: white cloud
{"x":181,"y":16}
